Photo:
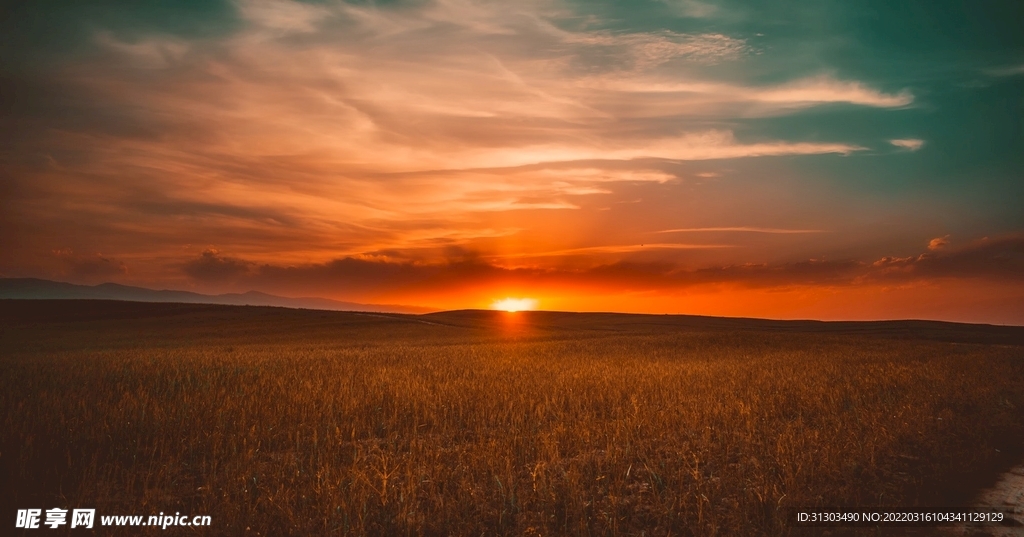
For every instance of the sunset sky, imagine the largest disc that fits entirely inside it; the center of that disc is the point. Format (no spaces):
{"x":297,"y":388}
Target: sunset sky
{"x":809,"y":159}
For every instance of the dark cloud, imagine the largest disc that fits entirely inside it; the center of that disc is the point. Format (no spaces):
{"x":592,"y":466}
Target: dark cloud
{"x":995,"y":259}
{"x":809,"y":272}
{"x":213,"y":267}
{"x":1001,"y":258}
{"x":350,"y":275}
{"x":89,"y":268}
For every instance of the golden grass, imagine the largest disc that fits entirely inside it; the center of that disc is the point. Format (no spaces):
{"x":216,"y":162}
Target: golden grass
{"x":278,"y":422}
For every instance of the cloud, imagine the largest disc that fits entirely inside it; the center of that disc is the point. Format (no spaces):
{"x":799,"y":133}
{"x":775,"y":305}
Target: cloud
{"x":1012,"y":70}
{"x":999,"y":259}
{"x":89,"y":267}
{"x":909,"y":144}
{"x":647,"y":50}
{"x":741,"y":230}
{"x":938,"y":243}
{"x":704,"y":98}
{"x":395,"y":89}
{"x":612,"y":249}
{"x":704,"y":145}
{"x":825,"y":89}
{"x":375,"y":279}
{"x":811,"y":272}
{"x":691,"y":8}
{"x":312,"y":132}
{"x":995,"y":259}
{"x":284,"y":16}
{"x":210,"y":266}
{"x":152,"y":52}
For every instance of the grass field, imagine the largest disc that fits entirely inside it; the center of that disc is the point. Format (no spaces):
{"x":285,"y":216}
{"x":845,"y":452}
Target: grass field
{"x":297,"y":422}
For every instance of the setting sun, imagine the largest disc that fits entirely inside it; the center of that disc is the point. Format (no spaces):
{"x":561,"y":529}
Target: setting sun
{"x":514,"y":304}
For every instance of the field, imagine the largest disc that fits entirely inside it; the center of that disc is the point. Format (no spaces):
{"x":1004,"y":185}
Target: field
{"x":298,"y":422}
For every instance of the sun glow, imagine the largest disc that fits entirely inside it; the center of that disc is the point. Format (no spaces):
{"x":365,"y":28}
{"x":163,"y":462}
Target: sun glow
{"x":514,"y":304}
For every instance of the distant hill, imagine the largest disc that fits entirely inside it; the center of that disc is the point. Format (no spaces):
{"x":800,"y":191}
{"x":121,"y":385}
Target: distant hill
{"x":633,"y":323}
{"x":33,"y":288}
{"x":472,"y":325}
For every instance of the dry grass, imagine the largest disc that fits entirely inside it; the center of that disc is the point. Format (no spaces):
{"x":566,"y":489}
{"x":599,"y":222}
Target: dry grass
{"x":279,"y":422}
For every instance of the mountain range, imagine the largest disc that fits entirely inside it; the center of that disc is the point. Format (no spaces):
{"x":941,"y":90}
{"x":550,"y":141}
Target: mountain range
{"x":34,"y":288}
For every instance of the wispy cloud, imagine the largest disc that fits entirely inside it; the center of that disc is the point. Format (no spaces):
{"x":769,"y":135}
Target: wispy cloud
{"x":317,"y":132}
{"x":282,"y":16}
{"x":643,"y":51}
{"x":1012,"y":70}
{"x":741,"y":229}
{"x":938,"y":243}
{"x":91,"y":268}
{"x":983,"y":259}
{"x":692,"y":8}
{"x":826,"y":89}
{"x":612,"y":249}
{"x":710,"y":98}
{"x":910,"y":144}
{"x":996,"y":258}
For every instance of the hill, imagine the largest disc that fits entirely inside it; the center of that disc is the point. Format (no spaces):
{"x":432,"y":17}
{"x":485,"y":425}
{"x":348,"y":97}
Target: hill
{"x":33,"y":288}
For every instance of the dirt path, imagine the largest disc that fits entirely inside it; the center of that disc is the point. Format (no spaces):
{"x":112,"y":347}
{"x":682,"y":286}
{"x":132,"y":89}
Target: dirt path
{"x":1007,"y":496}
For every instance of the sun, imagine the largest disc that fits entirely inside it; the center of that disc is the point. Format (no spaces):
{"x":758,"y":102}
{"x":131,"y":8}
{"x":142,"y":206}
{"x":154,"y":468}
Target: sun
{"x":514,"y":304}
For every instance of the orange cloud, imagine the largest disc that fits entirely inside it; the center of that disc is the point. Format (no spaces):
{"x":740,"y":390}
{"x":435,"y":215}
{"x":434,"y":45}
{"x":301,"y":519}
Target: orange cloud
{"x":742,"y":229}
{"x":92,"y":268}
{"x":910,"y":144}
{"x":998,"y":259}
{"x":367,"y":151}
{"x":813,"y":288}
{"x":938,"y":243}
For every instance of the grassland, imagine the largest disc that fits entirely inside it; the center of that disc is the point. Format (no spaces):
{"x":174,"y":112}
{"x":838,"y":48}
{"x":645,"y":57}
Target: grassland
{"x":291,"y":422}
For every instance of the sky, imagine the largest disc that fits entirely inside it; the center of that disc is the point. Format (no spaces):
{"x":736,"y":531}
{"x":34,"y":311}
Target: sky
{"x":805,"y":159}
